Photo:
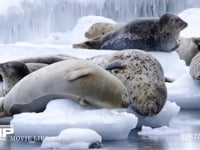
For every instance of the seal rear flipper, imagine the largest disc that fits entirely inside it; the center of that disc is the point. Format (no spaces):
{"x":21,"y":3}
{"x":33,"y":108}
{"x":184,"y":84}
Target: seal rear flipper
{"x":196,"y":40}
{"x":169,"y":80}
{"x":92,"y":44}
{"x":83,"y":102}
{"x":80,"y":73}
{"x":3,"y":114}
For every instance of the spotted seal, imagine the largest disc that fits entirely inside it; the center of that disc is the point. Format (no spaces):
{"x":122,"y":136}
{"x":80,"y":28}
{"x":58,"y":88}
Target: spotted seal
{"x":75,"y":79}
{"x":147,"y":34}
{"x":142,"y":75}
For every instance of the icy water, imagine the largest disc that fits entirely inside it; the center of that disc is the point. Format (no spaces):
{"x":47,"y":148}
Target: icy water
{"x":185,"y":120}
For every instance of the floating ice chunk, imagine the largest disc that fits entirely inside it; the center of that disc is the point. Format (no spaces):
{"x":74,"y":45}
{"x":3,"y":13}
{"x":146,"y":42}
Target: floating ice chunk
{"x":173,"y":66}
{"x":185,"y":91}
{"x":73,"y":138}
{"x":62,"y":114}
{"x":169,"y":111}
{"x":164,"y":130}
{"x":191,"y":16}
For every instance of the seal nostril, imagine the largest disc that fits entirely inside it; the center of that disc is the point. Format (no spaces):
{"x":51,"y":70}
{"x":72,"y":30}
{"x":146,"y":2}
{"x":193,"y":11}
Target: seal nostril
{"x":153,"y":109}
{"x":1,"y":78}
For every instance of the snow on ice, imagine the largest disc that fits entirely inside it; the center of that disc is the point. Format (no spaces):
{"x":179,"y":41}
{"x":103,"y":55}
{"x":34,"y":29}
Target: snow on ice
{"x":169,"y":111}
{"x":62,"y":114}
{"x":74,"y":138}
{"x":164,"y":130}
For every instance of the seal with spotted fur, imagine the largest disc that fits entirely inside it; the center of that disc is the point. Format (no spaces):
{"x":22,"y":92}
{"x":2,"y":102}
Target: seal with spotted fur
{"x":145,"y":34}
{"x":75,"y":79}
{"x":142,"y":75}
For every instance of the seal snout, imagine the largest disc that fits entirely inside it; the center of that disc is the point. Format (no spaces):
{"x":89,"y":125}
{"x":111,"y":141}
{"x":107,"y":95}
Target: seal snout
{"x":87,"y":34}
{"x":184,"y":24}
{"x":153,"y":108}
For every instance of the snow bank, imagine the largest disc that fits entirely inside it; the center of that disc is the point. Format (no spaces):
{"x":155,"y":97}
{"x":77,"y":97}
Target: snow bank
{"x":63,"y":114}
{"x":169,"y":111}
{"x":173,"y":66}
{"x":192,"y":17}
{"x":185,"y":91}
{"x":83,"y":24}
{"x":76,"y":35}
{"x":74,"y":138}
{"x":164,"y":130}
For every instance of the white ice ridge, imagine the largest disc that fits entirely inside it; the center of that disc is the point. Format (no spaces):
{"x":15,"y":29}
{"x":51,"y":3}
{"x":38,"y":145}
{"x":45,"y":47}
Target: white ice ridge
{"x":73,"y":139}
{"x":172,"y":65}
{"x":63,"y":114}
{"x":161,"y":131}
{"x":23,"y":20}
{"x":169,"y":111}
{"x":191,"y":16}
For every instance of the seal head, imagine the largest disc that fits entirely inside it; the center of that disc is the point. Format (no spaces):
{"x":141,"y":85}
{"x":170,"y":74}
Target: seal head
{"x":11,"y":73}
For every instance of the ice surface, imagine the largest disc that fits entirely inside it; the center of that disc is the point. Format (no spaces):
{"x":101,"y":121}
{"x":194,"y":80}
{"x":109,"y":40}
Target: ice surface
{"x":24,"y":50}
{"x":164,"y":130}
{"x":63,"y":114}
{"x":73,"y":138}
{"x":169,"y":111}
{"x":191,"y":16}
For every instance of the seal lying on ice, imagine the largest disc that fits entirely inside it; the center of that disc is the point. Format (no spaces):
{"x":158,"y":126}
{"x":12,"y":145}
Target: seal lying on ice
{"x":76,"y":79}
{"x":13,"y":71}
{"x":142,"y":75}
{"x":146,"y":34}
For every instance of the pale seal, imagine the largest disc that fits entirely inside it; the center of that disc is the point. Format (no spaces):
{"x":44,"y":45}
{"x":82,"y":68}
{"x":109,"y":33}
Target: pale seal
{"x":142,"y":75}
{"x":48,"y":59}
{"x":145,"y":34}
{"x":101,"y":28}
{"x":13,"y":71}
{"x":188,"y":48}
{"x":75,"y":79}
{"x":195,"y":67}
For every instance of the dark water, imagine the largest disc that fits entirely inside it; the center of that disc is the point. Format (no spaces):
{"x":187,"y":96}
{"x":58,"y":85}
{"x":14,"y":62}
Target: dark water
{"x":186,"y":120}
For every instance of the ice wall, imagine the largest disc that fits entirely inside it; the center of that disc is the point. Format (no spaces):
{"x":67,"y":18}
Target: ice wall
{"x":33,"y":19}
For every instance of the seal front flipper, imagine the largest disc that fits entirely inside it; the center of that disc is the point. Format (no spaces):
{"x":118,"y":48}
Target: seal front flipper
{"x":80,"y":73}
{"x":83,"y":102}
{"x":115,"y":65}
{"x":92,"y":44}
{"x":196,"y":40}
{"x":2,"y":111}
